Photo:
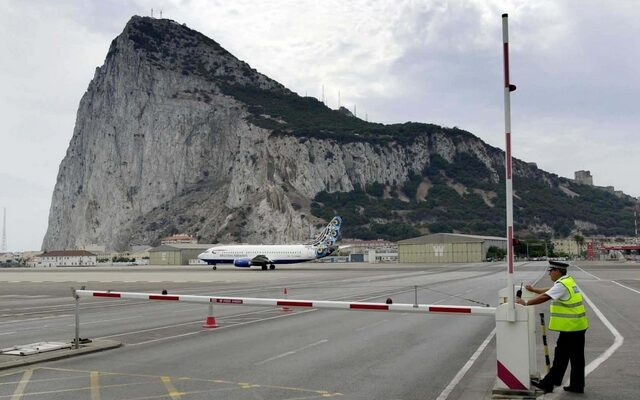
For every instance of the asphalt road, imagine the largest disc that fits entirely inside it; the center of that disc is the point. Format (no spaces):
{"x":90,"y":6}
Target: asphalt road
{"x":268,"y":353}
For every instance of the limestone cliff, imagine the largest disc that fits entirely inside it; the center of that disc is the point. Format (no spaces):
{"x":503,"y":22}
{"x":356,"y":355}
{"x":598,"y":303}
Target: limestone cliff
{"x":174,"y":134}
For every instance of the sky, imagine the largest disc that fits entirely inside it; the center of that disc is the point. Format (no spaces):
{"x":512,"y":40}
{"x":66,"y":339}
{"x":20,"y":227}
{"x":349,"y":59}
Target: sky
{"x":574,"y":62}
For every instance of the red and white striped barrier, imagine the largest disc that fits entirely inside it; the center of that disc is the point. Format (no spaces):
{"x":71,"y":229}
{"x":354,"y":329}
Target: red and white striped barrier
{"x":332,"y":305}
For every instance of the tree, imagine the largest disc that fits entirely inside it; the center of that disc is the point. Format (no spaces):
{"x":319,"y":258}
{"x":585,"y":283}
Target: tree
{"x":495,"y":253}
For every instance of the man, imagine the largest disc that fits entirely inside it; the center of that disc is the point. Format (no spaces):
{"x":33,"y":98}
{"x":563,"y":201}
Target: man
{"x":568,"y":316}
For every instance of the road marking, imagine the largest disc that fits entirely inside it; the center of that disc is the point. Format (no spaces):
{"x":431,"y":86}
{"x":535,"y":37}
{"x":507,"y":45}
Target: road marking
{"x":323,"y":393}
{"x":288,"y":353}
{"x":199,"y":331}
{"x":107,"y":320}
{"x":95,"y":385}
{"x":589,"y":274}
{"x":17,"y":394}
{"x":173,"y":393}
{"x":372,"y":325}
{"x":466,"y":367}
{"x":626,"y":287}
{"x":7,"y":333}
{"x":617,"y":342}
{"x":149,"y":330}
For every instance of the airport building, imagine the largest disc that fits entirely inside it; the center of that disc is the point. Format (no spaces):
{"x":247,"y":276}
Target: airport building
{"x":176,"y":253}
{"x":448,"y":248}
{"x":63,"y":258}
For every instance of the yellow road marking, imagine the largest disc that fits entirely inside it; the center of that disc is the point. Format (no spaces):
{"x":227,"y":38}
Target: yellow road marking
{"x":173,"y":393}
{"x":95,"y":385}
{"x":17,"y":394}
{"x":244,"y":385}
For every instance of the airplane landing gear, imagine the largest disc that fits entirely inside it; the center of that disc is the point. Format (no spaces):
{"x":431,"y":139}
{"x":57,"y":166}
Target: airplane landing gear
{"x":272,"y":266}
{"x":214,"y":268}
{"x":264,"y":267}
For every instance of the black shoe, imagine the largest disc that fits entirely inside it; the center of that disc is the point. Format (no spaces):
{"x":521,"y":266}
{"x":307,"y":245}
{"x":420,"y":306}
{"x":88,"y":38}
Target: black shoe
{"x":573,"y":389}
{"x":543,"y":386}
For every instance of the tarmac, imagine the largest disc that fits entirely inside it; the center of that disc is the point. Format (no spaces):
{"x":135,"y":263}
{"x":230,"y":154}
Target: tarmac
{"x":8,"y":361}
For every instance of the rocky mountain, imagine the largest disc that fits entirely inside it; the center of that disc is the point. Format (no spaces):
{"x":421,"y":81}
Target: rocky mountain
{"x":175,"y":134}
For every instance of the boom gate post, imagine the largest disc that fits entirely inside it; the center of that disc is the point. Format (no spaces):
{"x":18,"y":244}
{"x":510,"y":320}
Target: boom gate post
{"x":531,"y":329}
{"x":512,"y":348}
{"x":76,"y":341}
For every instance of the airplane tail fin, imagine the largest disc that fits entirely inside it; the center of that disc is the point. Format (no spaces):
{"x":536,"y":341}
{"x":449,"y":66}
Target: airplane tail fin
{"x":325,"y":242}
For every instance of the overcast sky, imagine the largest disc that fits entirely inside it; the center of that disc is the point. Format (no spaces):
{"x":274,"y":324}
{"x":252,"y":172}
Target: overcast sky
{"x":575,"y":63}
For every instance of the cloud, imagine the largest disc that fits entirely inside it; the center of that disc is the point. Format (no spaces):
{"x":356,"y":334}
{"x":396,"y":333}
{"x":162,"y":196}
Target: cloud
{"x":574,"y":62}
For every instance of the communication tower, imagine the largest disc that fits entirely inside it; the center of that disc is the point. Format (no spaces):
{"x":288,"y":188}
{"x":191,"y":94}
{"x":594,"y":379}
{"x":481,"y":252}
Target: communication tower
{"x":3,"y":248}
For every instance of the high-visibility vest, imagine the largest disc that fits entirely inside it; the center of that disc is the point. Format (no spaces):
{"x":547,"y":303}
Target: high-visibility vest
{"x":569,"y":315}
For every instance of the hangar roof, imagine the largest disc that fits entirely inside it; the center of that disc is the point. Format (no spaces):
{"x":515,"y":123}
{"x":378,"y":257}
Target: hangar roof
{"x":181,"y":246}
{"x":450,"y":238}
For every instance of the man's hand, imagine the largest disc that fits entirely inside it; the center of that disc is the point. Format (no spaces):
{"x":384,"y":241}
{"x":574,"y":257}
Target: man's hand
{"x":529,"y":288}
{"x":519,"y":300}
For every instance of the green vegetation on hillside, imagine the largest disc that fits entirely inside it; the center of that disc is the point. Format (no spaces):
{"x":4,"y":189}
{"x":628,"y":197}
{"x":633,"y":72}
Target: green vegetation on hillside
{"x":367,"y":214}
{"x":308,"y":117}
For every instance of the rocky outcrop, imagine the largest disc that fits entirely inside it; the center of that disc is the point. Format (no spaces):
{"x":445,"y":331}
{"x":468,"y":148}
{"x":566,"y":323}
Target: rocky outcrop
{"x":161,"y":146}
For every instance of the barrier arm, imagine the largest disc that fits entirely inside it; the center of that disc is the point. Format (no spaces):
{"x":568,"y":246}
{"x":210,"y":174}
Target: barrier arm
{"x":322,"y":304}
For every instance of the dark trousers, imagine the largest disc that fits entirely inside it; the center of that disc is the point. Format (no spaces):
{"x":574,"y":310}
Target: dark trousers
{"x":569,"y":349}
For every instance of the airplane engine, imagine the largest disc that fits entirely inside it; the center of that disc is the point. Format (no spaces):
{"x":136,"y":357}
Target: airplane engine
{"x":242,"y":262}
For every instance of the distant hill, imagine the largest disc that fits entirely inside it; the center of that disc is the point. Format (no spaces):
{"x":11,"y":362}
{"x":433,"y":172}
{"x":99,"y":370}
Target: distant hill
{"x":176,"y":135}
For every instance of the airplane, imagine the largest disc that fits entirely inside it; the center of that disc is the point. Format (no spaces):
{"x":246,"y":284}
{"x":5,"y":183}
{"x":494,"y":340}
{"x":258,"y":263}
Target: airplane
{"x":267,"y":256}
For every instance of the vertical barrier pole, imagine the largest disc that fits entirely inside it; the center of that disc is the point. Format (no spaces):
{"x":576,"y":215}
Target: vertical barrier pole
{"x":76,"y":342}
{"x":508,"y":88}
{"x":415,"y":301}
{"x":512,"y":321}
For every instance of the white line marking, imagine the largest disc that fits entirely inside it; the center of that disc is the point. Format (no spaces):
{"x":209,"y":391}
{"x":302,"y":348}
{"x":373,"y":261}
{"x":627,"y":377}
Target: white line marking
{"x":626,"y":287}
{"x":589,"y":274}
{"x":456,"y":379}
{"x":107,"y":320}
{"x":288,"y":353}
{"x":150,"y":329}
{"x":200,"y":331}
{"x":372,"y":325}
{"x":617,"y":342}
{"x":6,"y":333}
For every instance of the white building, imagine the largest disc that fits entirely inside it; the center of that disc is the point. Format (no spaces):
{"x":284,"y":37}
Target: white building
{"x":63,"y":258}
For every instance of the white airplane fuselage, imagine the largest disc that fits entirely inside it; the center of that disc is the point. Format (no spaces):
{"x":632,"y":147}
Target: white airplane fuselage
{"x":246,"y":255}
{"x":277,"y":254}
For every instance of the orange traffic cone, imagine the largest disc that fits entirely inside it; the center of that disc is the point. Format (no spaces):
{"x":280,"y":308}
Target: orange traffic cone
{"x":285,"y":308}
{"x":210,"y":322}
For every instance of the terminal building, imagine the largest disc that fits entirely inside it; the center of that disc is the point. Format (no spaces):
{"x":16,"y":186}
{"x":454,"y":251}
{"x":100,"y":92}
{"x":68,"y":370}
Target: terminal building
{"x":63,"y":258}
{"x":448,"y":248}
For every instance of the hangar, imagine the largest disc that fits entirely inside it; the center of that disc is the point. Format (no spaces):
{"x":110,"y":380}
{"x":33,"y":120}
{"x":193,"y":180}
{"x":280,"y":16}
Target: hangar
{"x":176,"y":253}
{"x":448,"y":248}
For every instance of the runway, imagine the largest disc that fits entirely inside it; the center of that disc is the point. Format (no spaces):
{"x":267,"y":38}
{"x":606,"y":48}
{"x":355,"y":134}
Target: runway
{"x":268,"y":353}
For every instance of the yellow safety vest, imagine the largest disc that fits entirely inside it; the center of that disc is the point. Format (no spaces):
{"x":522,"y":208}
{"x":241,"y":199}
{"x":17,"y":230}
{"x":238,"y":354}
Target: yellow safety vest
{"x":569,"y":315}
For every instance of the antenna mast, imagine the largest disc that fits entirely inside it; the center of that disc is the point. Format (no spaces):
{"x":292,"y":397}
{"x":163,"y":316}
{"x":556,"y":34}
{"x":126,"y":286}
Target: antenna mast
{"x":4,"y":231}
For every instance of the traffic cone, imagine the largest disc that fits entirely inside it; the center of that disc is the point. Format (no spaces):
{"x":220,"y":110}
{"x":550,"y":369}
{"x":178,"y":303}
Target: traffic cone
{"x":285,"y":308}
{"x":210,"y":322}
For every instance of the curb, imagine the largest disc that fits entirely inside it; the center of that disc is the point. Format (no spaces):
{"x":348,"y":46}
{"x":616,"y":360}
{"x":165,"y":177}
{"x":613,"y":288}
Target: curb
{"x":10,"y":361}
